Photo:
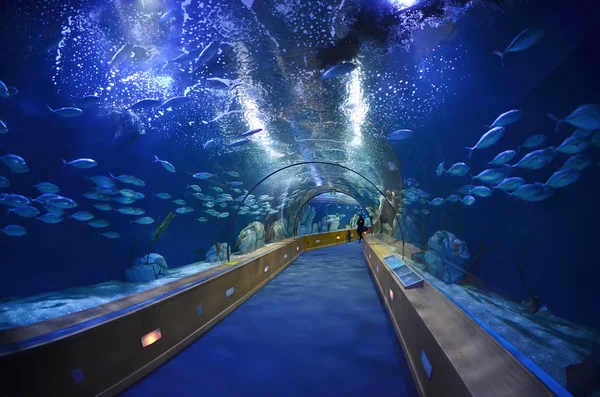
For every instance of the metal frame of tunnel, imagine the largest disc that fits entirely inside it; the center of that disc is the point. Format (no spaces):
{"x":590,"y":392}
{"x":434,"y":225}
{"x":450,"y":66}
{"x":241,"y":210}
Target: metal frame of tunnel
{"x":307,"y":163}
{"x":295,"y":228}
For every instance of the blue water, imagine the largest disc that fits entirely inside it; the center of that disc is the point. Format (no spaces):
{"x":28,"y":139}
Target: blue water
{"x":319,"y":328}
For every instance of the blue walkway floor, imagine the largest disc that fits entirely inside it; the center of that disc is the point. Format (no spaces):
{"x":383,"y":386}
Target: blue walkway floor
{"x":317,"y":329}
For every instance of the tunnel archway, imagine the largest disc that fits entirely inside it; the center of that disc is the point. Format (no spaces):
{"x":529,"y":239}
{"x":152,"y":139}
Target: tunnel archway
{"x":306,"y":201}
{"x":320,"y":187}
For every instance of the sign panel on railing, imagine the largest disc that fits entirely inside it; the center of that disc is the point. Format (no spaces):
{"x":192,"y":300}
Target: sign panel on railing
{"x":408,"y":278}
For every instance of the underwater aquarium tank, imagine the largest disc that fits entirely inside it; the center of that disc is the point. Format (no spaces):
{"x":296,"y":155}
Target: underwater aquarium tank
{"x":142,"y":141}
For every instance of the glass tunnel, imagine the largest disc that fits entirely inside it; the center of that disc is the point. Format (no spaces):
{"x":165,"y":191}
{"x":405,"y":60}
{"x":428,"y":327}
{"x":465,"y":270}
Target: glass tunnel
{"x":286,"y":197}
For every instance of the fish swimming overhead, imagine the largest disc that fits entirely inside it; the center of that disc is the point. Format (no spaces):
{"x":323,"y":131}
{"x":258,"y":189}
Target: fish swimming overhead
{"x":166,"y":165}
{"x":533,"y":142}
{"x":563,"y":177}
{"x":481,"y":191}
{"x":585,"y":116}
{"x":187,"y":56}
{"x":488,"y":139}
{"x":46,"y":187}
{"x":400,"y":135}
{"x":121,"y":56}
{"x":510,"y":117}
{"x":535,"y":160}
{"x":209,"y":144}
{"x":173,"y":103}
{"x":440,"y":169}
{"x":66,"y":112}
{"x":3,"y":127}
{"x":533,"y":192}
{"x":203,"y":175}
{"x":4,"y":182}
{"x":524,"y":40}
{"x":468,"y":200}
{"x":494,"y":175}
{"x":458,"y":169}
{"x":509,"y":184}
{"x":453,"y":198}
{"x":51,"y":218}
{"x":147,"y":103}
{"x":338,"y":71}
{"x":82,"y":216}
{"x":206,"y":55}
{"x":503,"y":157}
{"x":80,"y":163}
{"x":88,"y":101}
{"x":14,"y":230}
{"x":578,"y":162}
{"x":252,"y":132}
{"x":437,"y":201}
{"x":25,"y":211}
{"x":573,"y":145}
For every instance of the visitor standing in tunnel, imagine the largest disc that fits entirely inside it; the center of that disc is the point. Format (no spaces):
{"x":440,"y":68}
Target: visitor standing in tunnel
{"x":360,"y":226}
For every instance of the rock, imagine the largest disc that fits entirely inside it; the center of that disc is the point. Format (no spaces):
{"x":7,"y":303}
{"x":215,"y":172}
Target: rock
{"x":410,"y":228}
{"x":330,"y":223}
{"x":217,"y":255}
{"x":305,"y":224}
{"x":445,"y":262}
{"x":146,"y":268}
{"x":276,"y":231}
{"x":353,"y":221}
{"x":316,"y":227}
{"x":251,"y":238}
{"x":386,"y":229}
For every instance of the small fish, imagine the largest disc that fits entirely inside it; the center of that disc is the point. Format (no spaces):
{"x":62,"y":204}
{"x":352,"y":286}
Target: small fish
{"x":43,"y":198}
{"x":494,"y":175}
{"x":101,"y":180}
{"x":96,"y":196}
{"x":138,"y":211}
{"x":235,"y":183}
{"x":195,"y":188}
{"x":88,"y":101}
{"x":223,"y":215}
{"x":125,"y":200}
{"x":524,"y":40}
{"x":392,"y":166}
{"x":3,"y":127}
{"x":437,"y":201}
{"x":251,"y":132}
{"x":488,"y":139}
{"x":533,"y":192}
{"x":12,"y":160}
{"x":14,"y":230}
{"x":533,"y":142}
{"x":509,"y":184}
{"x":458,"y":169}
{"x":400,"y":135}
{"x":82,"y":216}
{"x":510,"y":117}
{"x":121,"y":55}
{"x":481,"y":191}
{"x":98,"y":223}
{"x":202,"y":219}
{"x":338,"y":71}
{"x":184,"y":210}
{"x":440,"y":169}
{"x":146,"y":220}
{"x":54,"y":210}
{"x":425,"y":211}
{"x":179,"y":202}
{"x":162,"y":196}
{"x":207,"y":53}
{"x":209,"y":144}
{"x":232,"y":173}
{"x":111,"y":235}
{"x":203,"y":175}
{"x":582,"y":133}
{"x":217,"y":189}
{"x":239,"y":142}
{"x":80,"y":163}
{"x":173,"y":103}
{"x":127,"y":192}
{"x":103,"y":207}
{"x":25,"y":211}
{"x":51,"y":218}
{"x":46,"y":187}
{"x":124,"y":178}
{"x":573,"y":145}
{"x":535,"y":160}
{"x":4,"y":182}
{"x":578,"y":162}
{"x":453,"y":198}
{"x":585,"y":116}
{"x":64,"y":203}
{"x":66,"y":112}
{"x":147,"y":103}
{"x":503,"y":157}
{"x":222,"y":205}
{"x":563,"y":177}
{"x":468,"y":200}
{"x":108,"y":190}
{"x":166,"y":165}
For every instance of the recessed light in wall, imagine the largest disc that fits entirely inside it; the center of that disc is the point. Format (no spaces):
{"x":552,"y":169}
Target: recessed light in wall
{"x":251,"y":278}
{"x":377,"y":268}
{"x":391,"y":295}
{"x":337,"y":238}
{"x":266,"y":269}
{"x":199,"y":310}
{"x":318,"y":241}
{"x":229,"y":292}
{"x":285,"y":256}
{"x":297,"y":248}
{"x":152,"y":337}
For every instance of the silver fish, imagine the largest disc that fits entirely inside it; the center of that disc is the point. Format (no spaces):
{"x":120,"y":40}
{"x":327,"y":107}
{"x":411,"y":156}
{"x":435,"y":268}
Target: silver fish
{"x":488,"y":139}
{"x":563,"y":177}
{"x":524,"y":40}
{"x":66,"y":112}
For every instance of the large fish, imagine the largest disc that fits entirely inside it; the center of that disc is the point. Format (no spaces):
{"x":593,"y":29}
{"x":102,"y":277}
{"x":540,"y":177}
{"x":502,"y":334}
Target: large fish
{"x":206,"y":55}
{"x":507,"y":118}
{"x":166,"y":165}
{"x":573,"y":145}
{"x":121,"y":55}
{"x":509,"y":184}
{"x":533,"y":142}
{"x":563,"y":177}
{"x":585,"y":116}
{"x":533,"y":192}
{"x":338,"y":70}
{"x":536,"y":160}
{"x":494,"y":175}
{"x":66,"y":112}
{"x":524,"y":40}
{"x":400,"y":135}
{"x":458,"y":169}
{"x":488,"y":139}
{"x":503,"y":157}
{"x":578,"y":162}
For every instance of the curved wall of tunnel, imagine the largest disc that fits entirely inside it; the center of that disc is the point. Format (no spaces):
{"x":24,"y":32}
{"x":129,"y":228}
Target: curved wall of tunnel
{"x":310,"y":179}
